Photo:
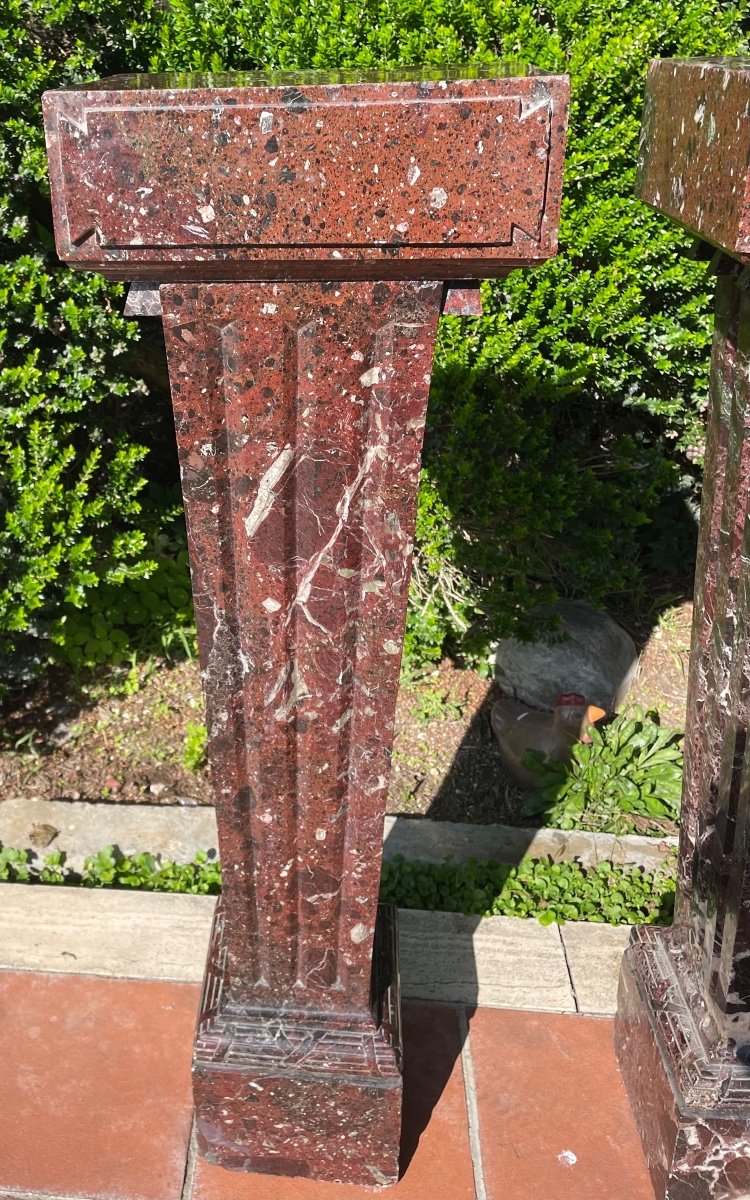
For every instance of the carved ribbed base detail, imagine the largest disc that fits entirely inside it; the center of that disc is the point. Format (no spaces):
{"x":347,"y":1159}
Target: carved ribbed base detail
{"x":689,"y":1095}
{"x":293,"y":1092}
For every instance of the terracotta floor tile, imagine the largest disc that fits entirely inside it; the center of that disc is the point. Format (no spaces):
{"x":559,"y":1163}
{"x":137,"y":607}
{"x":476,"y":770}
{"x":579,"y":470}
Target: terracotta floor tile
{"x":435,"y":1142}
{"x":95,"y":1085}
{"x":548,"y":1089}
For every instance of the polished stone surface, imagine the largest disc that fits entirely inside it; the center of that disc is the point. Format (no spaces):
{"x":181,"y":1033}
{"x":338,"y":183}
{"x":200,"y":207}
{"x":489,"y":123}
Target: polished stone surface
{"x":695,"y":147}
{"x":300,"y":412}
{"x":441,"y":174}
{"x":714,"y":866}
{"x":435,"y":1158}
{"x":690,"y":1097}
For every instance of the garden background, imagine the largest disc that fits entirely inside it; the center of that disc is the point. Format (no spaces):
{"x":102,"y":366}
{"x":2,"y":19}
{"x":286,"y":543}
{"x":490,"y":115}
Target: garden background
{"x":566,"y":425}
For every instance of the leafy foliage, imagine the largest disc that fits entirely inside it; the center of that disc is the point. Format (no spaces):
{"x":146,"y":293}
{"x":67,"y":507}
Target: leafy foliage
{"x":628,"y":779}
{"x":69,"y":475}
{"x":536,"y":887}
{"x":151,"y":873}
{"x":559,"y":420}
{"x":143,"y":615}
{"x":195,"y":752}
{"x":110,"y":868}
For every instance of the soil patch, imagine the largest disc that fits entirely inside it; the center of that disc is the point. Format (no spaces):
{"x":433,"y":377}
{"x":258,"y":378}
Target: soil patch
{"x":663,"y":670}
{"x":58,"y":744}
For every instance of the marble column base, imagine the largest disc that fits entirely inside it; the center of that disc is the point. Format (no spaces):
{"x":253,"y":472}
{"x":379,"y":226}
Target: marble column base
{"x":301,"y":1093}
{"x":689,"y":1094}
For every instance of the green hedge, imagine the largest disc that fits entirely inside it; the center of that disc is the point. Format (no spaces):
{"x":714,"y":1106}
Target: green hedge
{"x":559,"y":420}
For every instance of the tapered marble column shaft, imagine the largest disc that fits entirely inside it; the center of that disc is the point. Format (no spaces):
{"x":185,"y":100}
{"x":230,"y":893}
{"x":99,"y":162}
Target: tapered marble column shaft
{"x":294,"y":233}
{"x":683,"y":1026}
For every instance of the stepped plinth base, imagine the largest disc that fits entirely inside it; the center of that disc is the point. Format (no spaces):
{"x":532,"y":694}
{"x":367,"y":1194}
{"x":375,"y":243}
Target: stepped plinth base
{"x":312,"y":1094}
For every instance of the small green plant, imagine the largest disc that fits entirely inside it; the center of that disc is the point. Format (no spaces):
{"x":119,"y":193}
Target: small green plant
{"x":432,"y":705}
{"x":135,"y":618}
{"x":109,"y":868}
{"x":151,"y":873}
{"x":14,"y":865}
{"x":54,"y":870}
{"x":196,"y":743}
{"x":628,"y":779}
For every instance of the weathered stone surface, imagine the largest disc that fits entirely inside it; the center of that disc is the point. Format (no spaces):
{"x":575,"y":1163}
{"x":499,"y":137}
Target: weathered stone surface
{"x":594,"y":955}
{"x":436,"y":841}
{"x":178,"y":833}
{"x":495,"y":962}
{"x":128,"y":934}
{"x":300,"y":406}
{"x":597,"y":658}
{"x":437,"y":172}
{"x":446,"y":957}
{"x":84,"y":828}
{"x":695,"y":147}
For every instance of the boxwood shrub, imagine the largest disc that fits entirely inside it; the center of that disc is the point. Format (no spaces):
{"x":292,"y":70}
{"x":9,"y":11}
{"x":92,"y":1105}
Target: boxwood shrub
{"x":559,"y":421}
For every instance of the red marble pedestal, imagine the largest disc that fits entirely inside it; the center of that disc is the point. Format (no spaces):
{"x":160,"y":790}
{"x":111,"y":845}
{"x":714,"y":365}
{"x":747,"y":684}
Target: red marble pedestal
{"x":683,"y":1024}
{"x":299,"y":229}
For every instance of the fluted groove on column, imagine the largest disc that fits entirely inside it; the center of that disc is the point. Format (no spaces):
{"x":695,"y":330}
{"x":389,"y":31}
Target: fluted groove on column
{"x":197,"y":356}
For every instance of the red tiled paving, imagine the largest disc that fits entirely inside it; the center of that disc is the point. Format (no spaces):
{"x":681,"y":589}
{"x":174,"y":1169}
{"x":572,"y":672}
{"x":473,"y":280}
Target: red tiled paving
{"x":95,"y":1091}
{"x":554,"y":1118}
{"x":96,"y":1102}
{"x":436,"y":1157}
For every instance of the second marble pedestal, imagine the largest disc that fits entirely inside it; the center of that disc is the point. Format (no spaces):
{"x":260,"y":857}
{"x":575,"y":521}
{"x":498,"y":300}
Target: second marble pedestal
{"x":683,"y":1023}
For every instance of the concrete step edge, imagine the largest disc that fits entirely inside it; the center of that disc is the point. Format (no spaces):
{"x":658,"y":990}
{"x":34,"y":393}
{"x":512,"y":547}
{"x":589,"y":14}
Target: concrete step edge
{"x":500,"y":962}
{"x":177,"y":833}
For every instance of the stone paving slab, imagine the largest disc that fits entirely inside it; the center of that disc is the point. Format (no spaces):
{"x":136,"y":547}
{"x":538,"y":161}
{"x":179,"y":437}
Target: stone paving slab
{"x":136,"y":935}
{"x":96,"y":1096}
{"x":594,"y":953}
{"x":553,"y":1113}
{"x":495,"y":961}
{"x":522,"y":1106}
{"x":434,"y":841}
{"x":178,"y":832}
